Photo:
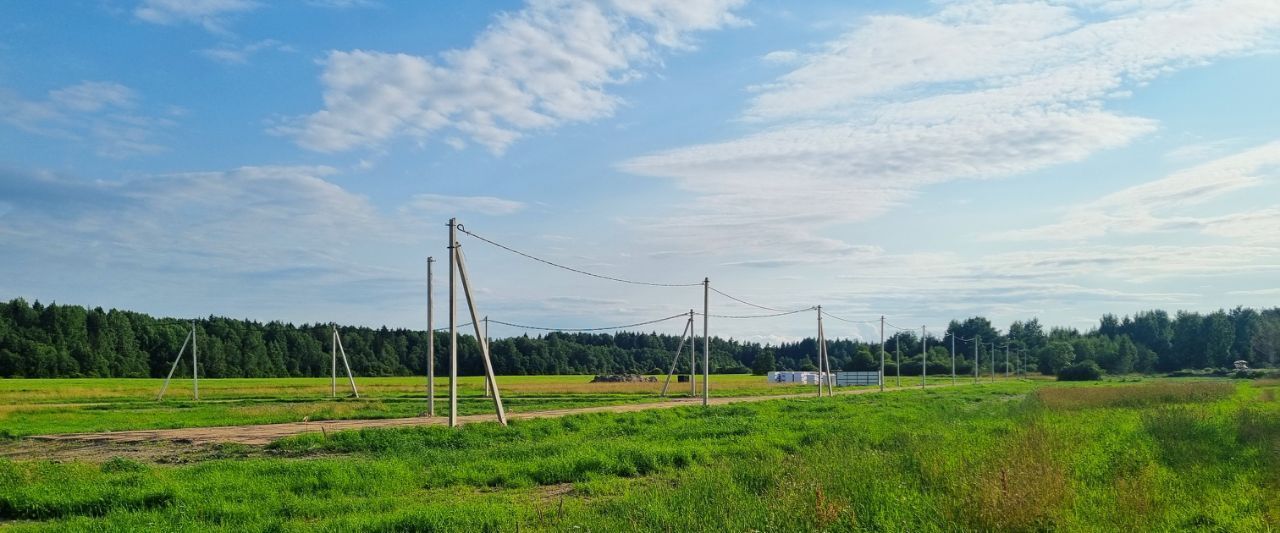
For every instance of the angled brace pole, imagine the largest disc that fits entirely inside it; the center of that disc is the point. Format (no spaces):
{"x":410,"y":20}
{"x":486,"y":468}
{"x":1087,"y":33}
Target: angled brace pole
{"x":165,"y":387}
{"x":345,"y":364}
{"x":674,"y":360}
{"x":484,"y":344}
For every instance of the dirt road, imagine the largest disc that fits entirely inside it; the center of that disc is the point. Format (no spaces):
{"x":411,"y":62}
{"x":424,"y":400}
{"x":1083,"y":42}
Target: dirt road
{"x":266,"y":433}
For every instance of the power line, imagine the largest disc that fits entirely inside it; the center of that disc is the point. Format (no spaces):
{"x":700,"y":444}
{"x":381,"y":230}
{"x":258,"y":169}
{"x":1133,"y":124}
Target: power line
{"x":575,"y":270}
{"x":757,"y":306}
{"x":842,"y":319}
{"x":625,"y":326}
{"x":784,"y":313}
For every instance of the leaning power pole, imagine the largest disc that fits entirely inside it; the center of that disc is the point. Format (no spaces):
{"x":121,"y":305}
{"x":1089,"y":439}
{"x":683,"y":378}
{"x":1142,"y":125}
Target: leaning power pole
{"x":686,"y":335}
{"x":431,"y":345}
{"x":189,"y":339}
{"x":481,"y":337}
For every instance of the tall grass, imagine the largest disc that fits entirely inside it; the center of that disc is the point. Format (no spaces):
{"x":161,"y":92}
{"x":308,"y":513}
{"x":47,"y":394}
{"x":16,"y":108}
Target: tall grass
{"x":995,"y":457}
{"x":1147,"y":394}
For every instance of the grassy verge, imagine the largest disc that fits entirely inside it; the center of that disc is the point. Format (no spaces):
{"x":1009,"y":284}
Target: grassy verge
{"x":1009,"y":456}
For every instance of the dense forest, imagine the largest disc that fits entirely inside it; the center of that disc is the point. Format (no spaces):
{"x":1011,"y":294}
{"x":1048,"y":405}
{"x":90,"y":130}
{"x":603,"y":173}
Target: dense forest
{"x":42,"y":341}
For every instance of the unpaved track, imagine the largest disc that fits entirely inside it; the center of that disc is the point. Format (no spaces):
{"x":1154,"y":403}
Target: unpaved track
{"x":266,"y":433}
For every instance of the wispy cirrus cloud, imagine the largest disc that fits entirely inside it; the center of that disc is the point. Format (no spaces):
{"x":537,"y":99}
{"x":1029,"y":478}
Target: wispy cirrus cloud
{"x":101,"y":114}
{"x":975,"y":90}
{"x":209,"y":14}
{"x":229,"y":53}
{"x":1163,"y":204}
{"x":255,"y":235}
{"x":436,"y":204}
{"x":548,"y":64}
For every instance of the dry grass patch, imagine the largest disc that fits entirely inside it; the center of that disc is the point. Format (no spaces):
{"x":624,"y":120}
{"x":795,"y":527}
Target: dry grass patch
{"x":1147,"y":394}
{"x":1025,"y":488}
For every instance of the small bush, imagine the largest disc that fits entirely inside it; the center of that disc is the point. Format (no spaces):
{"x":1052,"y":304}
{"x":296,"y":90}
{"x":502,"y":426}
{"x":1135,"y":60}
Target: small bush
{"x":1086,"y":371}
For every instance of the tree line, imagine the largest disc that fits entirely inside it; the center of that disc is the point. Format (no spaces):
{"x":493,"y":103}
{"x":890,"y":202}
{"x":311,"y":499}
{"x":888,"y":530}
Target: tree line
{"x":48,"y":341}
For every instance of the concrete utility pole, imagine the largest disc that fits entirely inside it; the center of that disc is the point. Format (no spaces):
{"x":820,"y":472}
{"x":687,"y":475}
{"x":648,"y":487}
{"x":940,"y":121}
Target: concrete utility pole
{"x":693,"y":357}
{"x":821,"y":364}
{"x":977,"y":339}
{"x":1006,"y":359}
{"x":431,"y":345}
{"x":195,"y":363}
{"x":953,"y":357}
{"x":333,"y":360}
{"x":881,"y":353}
{"x":924,"y":356}
{"x":487,"y":343}
{"x":897,"y":354}
{"x":453,"y":324}
{"x":706,"y":342}
{"x":993,"y":362}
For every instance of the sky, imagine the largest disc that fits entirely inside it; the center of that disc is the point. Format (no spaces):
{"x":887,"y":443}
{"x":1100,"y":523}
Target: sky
{"x":922,"y":161}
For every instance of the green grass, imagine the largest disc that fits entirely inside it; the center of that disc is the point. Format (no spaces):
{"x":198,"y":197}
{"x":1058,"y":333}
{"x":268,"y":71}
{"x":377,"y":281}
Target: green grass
{"x":996,"y":457}
{"x":36,"y":407}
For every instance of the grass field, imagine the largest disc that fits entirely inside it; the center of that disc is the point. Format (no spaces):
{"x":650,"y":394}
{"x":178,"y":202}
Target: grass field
{"x":35,"y":407}
{"x":1160,"y":455}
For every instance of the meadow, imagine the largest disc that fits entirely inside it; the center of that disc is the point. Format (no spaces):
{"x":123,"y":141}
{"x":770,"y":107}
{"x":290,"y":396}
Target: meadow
{"x":1160,"y":455}
{"x":47,"y":406}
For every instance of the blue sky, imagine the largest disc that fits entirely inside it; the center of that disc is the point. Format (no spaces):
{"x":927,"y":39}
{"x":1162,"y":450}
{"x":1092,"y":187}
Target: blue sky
{"x":919,"y":160}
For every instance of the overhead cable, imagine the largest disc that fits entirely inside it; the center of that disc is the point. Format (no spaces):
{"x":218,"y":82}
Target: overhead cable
{"x":757,"y":306}
{"x":784,"y":313}
{"x":575,"y":270}
{"x":625,"y":326}
{"x":842,"y":319}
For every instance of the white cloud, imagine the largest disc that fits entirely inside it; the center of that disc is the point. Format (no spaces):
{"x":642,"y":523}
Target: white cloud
{"x":261,"y":240}
{"x":101,"y":114}
{"x":781,"y":57}
{"x":92,"y":96}
{"x":239,"y":54}
{"x":549,"y":64}
{"x":976,"y":90}
{"x":210,"y":14}
{"x":437,"y":204}
{"x":1163,"y":204}
{"x":342,"y":4}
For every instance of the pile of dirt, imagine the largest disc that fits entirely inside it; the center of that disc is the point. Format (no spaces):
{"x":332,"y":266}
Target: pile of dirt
{"x":624,"y":378}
